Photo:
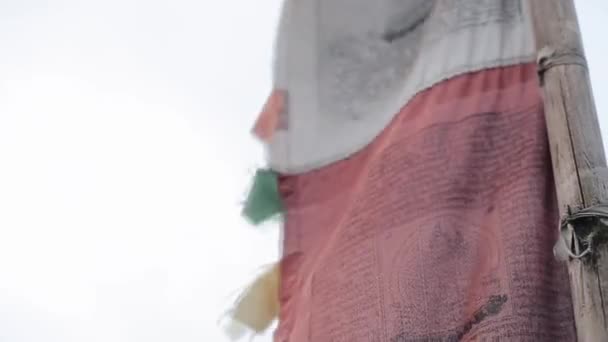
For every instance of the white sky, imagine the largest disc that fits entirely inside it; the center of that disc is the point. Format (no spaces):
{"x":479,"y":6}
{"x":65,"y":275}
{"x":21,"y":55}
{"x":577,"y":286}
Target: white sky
{"x":124,"y":155}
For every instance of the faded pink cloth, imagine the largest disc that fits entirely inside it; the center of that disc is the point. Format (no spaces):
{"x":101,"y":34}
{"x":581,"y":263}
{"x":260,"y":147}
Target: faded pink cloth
{"x":440,"y":230}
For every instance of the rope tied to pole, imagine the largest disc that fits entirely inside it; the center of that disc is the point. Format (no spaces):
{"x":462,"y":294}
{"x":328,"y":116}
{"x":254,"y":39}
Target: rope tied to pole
{"x":549,"y":58}
{"x":588,"y":237}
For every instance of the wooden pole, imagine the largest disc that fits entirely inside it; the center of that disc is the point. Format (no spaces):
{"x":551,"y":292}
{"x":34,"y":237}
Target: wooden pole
{"x":577,"y":153}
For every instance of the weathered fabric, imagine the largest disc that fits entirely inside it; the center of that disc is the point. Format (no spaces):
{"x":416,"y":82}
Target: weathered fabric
{"x":348,"y":66}
{"x":440,"y":230}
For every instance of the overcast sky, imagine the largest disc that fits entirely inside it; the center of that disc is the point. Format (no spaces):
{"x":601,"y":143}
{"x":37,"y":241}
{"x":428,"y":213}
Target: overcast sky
{"x":124,"y":155}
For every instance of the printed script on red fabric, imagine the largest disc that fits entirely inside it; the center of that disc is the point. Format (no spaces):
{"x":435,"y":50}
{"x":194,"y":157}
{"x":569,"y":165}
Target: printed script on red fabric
{"x":440,"y":230}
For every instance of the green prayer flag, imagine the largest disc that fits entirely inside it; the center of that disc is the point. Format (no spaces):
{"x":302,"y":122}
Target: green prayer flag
{"x":264,"y":200}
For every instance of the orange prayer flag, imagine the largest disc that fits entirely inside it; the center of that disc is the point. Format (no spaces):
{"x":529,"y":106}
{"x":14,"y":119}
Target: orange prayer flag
{"x":268,"y":120}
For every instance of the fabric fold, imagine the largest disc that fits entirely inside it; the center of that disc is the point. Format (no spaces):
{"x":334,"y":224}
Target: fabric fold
{"x":350,"y":65}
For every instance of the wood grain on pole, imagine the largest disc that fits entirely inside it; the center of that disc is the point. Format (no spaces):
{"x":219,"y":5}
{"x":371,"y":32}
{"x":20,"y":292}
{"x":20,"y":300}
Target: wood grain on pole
{"x":577,"y":152}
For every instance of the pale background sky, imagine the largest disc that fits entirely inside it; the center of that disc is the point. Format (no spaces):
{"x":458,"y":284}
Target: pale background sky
{"x":124,"y":154}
